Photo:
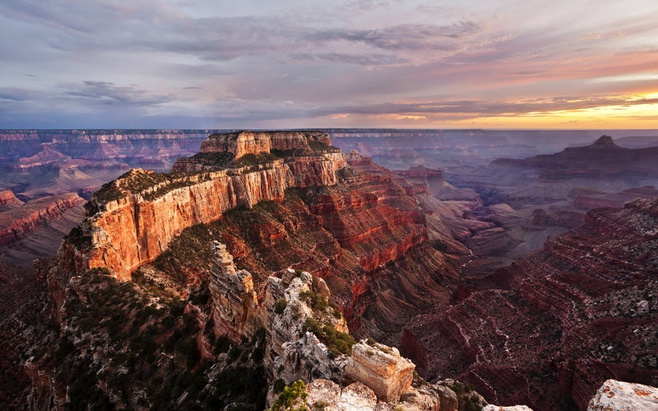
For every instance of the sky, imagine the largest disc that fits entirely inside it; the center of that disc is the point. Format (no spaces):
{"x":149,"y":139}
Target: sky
{"x":530,"y":64}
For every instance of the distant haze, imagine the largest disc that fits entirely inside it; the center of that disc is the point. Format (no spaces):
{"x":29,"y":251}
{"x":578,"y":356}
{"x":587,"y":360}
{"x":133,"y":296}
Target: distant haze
{"x":347,"y":63}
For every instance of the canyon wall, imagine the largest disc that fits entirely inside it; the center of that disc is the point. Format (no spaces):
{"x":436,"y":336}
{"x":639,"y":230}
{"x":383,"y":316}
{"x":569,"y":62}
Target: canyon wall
{"x":561,"y":320}
{"x":136,"y":216}
{"x":18,"y":222}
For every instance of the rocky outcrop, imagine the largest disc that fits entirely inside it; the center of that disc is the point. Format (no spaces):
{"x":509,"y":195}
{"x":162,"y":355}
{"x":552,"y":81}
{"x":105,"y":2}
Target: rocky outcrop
{"x":248,"y":142}
{"x":133,"y":219}
{"x":491,"y":407}
{"x":236,"y":310}
{"x":380,"y":368}
{"x":8,"y":200}
{"x":293,"y":306}
{"x":623,"y":396}
{"x":46,"y":156}
{"x":339,"y":218}
{"x":324,"y":394}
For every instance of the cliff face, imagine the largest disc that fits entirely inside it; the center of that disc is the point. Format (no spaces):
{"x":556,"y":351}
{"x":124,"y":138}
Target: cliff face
{"x":8,"y":200}
{"x":341,"y":218}
{"x":565,"y":318}
{"x":135,"y":217}
{"x":247,"y":142}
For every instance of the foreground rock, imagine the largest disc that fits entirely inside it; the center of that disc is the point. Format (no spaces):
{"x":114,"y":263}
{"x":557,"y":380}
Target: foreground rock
{"x":381,"y":368}
{"x":624,"y":396}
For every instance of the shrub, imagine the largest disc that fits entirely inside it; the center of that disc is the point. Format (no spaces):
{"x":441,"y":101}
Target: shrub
{"x":290,"y":396}
{"x":317,"y":301}
{"x":280,"y":305}
{"x":337,"y":342}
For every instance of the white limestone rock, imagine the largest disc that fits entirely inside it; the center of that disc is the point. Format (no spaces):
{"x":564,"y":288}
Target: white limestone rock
{"x":624,"y":396}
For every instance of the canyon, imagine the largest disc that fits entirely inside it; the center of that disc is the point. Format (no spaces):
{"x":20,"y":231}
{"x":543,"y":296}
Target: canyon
{"x":219,"y":260}
{"x":328,"y":221}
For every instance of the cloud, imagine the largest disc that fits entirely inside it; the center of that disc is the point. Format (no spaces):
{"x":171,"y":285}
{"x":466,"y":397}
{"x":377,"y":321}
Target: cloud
{"x":404,"y":36}
{"x":16,"y":94}
{"x":228,"y":62}
{"x":373,"y":59}
{"x":108,"y":93}
{"x":484,"y":108}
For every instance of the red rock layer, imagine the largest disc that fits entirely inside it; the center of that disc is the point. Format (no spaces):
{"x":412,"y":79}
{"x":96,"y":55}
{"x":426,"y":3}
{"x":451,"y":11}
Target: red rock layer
{"x":365,"y":236}
{"x":248,"y":142}
{"x":8,"y":200}
{"x":580,"y":311}
{"x":137,"y":226}
{"x":18,"y":222}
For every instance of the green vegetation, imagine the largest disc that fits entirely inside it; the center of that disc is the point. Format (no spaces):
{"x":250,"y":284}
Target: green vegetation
{"x":218,"y":159}
{"x":78,"y":238}
{"x":191,"y":248}
{"x":292,"y":398}
{"x":337,"y":342}
{"x":148,"y":343}
{"x":320,"y":147}
{"x":280,"y":305}
{"x":108,"y":192}
{"x":467,"y":398}
{"x":254,"y":160}
{"x":318,"y":301}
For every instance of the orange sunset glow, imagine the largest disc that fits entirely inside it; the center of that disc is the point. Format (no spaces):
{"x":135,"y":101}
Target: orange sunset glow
{"x":366,"y":63}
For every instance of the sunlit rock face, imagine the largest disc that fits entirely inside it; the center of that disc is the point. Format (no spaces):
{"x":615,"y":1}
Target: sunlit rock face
{"x":563,"y":320}
{"x":248,"y":142}
{"x":381,"y":368}
{"x":623,"y":396}
{"x":306,"y":205}
{"x":133,"y":219}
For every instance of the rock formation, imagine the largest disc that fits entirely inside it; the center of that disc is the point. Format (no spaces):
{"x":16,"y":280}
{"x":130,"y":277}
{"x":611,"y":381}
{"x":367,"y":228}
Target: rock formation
{"x":623,"y":396}
{"x":33,"y":229}
{"x":550,"y":330}
{"x":340,"y":217}
{"x":380,"y":368}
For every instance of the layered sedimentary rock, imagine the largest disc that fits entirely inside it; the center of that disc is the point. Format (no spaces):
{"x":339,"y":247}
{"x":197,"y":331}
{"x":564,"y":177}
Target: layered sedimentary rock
{"x":248,"y":142}
{"x":155,"y":149}
{"x":567,"y":317}
{"x":358,"y":396}
{"x":17,"y":223}
{"x":8,"y":200}
{"x":135,"y":217}
{"x":344,"y":219}
{"x":380,"y":368}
